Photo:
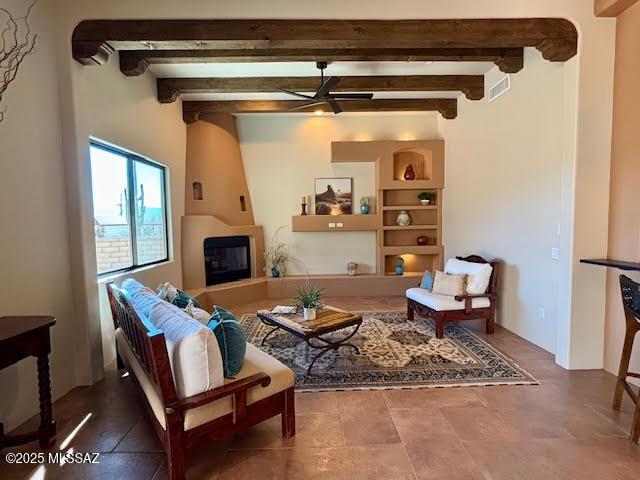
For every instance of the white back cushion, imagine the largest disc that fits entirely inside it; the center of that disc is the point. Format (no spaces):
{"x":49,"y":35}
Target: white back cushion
{"x":478,"y":274}
{"x":194,"y":355}
{"x":132,"y":286}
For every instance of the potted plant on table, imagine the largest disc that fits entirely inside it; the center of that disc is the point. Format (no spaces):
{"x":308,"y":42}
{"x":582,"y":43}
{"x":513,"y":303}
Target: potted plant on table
{"x":426,"y":198}
{"x":310,"y":299}
{"x":277,"y":256}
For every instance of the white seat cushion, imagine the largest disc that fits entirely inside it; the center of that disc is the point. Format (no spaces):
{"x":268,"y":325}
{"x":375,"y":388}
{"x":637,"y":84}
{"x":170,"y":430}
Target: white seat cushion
{"x":478,"y":274}
{"x":194,"y":354}
{"x":443,"y":303}
{"x":255,"y":361}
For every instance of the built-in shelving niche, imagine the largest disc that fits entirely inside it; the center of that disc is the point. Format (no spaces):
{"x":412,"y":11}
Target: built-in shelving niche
{"x":420,"y":159}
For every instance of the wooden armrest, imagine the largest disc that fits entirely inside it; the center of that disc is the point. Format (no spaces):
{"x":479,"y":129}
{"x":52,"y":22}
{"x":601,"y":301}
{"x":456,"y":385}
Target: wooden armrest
{"x":238,"y":389}
{"x":468,"y":299}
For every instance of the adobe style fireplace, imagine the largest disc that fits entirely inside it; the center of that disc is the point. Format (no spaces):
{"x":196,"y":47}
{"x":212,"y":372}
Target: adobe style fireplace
{"x":226,"y":259}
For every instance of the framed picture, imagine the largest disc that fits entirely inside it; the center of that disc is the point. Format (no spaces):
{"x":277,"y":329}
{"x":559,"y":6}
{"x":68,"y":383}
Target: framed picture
{"x":333,"y":196}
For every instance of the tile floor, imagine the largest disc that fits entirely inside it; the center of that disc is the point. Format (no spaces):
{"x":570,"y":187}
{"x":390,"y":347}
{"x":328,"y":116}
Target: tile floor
{"x":561,"y":429}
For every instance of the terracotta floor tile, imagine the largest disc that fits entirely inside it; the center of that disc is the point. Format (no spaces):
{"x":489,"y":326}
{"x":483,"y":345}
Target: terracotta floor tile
{"x":428,"y":398}
{"x":366,"y":419}
{"x":254,"y":464}
{"x":480,"y":423}
{"x":141,"y":438}
{"x":432,"y":446}
{"x":556,"y":459}
{"x":317,"y":402}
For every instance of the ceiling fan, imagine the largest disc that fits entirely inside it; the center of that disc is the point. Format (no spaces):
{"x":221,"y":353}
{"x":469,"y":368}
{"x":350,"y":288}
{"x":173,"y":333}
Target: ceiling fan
{"x":324,"y":96}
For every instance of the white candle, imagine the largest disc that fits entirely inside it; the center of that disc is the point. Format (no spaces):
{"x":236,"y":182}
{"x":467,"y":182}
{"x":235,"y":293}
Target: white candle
{"x":303,"y":199}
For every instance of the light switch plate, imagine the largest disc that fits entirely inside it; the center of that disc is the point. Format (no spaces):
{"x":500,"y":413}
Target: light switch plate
{"x":555,"y":253}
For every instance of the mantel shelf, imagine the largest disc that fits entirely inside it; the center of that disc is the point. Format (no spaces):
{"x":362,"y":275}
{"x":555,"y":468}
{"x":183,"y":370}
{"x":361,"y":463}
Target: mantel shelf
{"x":410,"y":227}
{"x":410,"y":207}
{"x":606,"y":262}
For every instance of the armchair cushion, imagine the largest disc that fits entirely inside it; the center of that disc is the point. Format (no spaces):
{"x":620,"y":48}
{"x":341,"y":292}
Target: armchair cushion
{"x":255,"y":361}
{"x":441,"y":303}
{"x":478,"y":274}
{"x":449,"y":284}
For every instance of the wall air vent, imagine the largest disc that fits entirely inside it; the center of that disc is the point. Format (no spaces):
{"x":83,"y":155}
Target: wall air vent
{"x":500,"y":88}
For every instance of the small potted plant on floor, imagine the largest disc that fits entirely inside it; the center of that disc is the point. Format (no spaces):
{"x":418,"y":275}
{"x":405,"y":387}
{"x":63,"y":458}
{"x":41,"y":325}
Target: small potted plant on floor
{"x":277,"y":255}
{"x":309,"y":298}
{"x":426,"y":198}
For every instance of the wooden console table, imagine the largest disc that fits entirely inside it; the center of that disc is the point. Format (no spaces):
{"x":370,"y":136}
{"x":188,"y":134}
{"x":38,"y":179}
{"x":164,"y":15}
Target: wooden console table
{"x":22,"y":337}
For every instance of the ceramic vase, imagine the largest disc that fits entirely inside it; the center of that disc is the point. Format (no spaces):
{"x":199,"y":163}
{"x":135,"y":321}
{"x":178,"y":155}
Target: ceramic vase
{"x":422,"y":240}
{"x":352,"y":269}
{"x":409,"y":173}
{"x":309,"y":313}
{"x":364,"y":209}
{"x":403,"y":218}
{"x":425,"y":202}
{"x":399,"y":269}
{"x":275,"y":272}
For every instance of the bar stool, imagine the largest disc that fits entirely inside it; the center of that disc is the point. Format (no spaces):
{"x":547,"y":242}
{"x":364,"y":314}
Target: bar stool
{"x":631,"y":301}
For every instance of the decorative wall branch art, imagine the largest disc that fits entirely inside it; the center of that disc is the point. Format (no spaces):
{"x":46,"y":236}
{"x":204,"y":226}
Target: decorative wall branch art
{"x":333,"y":196}
{"x":17,"y":40}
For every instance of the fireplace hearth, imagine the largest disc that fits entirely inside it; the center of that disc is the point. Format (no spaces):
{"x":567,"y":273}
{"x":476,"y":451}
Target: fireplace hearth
{"x":226,"y":259}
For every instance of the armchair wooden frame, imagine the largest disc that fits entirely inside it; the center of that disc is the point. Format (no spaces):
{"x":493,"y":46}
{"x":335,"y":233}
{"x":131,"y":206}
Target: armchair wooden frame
{"x":148,"y":346}
{"x":468,"y":312}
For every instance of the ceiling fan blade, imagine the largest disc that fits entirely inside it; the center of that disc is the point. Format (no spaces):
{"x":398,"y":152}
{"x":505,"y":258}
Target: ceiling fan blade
{"x":297,"y":94}
{"x":326,"y":87}
{"x":354,"y":96}
{"x":335,"y":106}
{"x":305,"y":106}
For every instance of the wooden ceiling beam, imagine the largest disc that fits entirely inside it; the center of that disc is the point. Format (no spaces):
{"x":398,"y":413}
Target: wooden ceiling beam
{"x":448,"y":107}
{"x":136,"y":62}
{"x":169,"y":89}
{"x":92,"y":40}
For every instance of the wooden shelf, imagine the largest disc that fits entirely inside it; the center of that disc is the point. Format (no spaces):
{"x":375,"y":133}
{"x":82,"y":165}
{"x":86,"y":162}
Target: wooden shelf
{"x":405,"y":274}
{"x":606,"y":262}
{"x":320,"y":223}
{"x":412,"y":249}
{"x":410,"y":207}
{"x":410,"y":227}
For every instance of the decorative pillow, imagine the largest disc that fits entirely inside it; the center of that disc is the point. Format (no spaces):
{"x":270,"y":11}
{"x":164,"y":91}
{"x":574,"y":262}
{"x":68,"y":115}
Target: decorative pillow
{"x":199,"y":314}
{"x":231,"y":340}
{"x":451,"y":285}
{"x":427,"y":281}
{"x":169,"y":293}
{"x":478,"y":274}
{"x":194,"y":354}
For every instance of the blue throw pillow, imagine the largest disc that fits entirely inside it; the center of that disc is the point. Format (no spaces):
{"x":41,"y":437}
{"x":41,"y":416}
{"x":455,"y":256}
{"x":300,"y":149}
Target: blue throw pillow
{"x":427,"y":281}
{"x":181,"y":300}
{"x":231,"y":340}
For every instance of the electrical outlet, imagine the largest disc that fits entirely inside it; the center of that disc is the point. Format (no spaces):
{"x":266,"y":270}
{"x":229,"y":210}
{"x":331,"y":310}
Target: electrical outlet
{"x":332,"y":225}
{"x":555,"y":253}
{"x":541,"y":313}
{"x":339,"y":225}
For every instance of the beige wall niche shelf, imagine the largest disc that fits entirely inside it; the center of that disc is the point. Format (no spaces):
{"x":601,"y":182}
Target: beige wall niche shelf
{"x":394,"y":193}
{"x":334,"y":223}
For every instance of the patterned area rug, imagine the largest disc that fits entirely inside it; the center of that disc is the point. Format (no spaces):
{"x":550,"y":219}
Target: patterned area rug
{"x":394,"y":353}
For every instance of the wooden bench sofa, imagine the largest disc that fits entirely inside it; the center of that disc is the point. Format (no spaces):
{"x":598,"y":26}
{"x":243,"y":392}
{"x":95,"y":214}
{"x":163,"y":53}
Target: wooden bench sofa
{"x":459,"y":308}
{"x":262,"y":389}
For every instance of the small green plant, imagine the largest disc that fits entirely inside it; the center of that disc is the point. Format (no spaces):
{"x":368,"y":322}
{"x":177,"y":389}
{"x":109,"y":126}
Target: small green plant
{"x":309,"y":297}
{"x":426,"y":196}
{"x":399,"y":262}
{"x":364,"y":201}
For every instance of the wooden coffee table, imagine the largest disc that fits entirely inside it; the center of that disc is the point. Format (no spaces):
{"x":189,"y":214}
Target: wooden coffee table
{"x":328,"y":320}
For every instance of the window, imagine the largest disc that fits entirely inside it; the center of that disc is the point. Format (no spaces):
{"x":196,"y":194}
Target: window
{"x":130,"y":229}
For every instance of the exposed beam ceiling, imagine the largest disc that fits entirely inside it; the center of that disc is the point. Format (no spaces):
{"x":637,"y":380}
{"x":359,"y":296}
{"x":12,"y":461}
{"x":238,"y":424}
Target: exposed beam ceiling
{"x":471,"y":85}
{"x":94,"y":40}
{"x":509,"y":60}
{"x":448,"y":108}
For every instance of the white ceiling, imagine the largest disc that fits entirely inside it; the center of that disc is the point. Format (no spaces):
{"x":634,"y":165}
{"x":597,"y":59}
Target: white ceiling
{"x":306,"y":69}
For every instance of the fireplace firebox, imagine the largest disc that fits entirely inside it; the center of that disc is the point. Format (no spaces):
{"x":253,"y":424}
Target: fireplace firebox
{"x":226,"y":259}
